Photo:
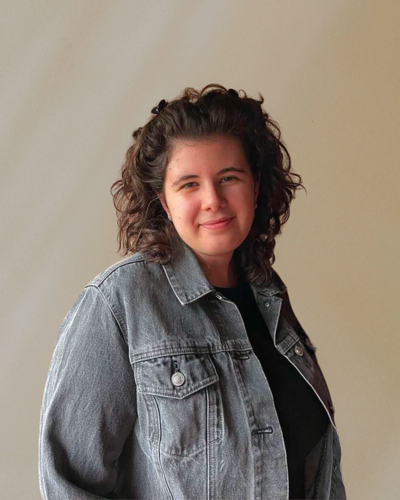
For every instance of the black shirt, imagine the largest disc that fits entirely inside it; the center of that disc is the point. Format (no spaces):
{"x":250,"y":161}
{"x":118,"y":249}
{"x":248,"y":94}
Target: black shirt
{"x":302,"y":416}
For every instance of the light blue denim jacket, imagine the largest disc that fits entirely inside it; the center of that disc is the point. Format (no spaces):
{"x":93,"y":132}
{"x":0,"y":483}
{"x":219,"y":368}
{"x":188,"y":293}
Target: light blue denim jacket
{"x":154,"y":392}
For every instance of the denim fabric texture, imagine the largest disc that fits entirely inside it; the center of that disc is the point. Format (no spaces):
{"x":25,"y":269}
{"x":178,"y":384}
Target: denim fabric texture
{"x":154,"y":392}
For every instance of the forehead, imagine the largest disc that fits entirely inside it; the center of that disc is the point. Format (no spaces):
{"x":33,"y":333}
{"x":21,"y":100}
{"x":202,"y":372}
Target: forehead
{"x":218,"y":152}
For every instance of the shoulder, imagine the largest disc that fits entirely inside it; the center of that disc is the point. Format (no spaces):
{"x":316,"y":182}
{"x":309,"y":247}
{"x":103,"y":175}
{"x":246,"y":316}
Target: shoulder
{"x":118,"y":291}
{"x":127,"y":281}
{"x":134,"y":270}
{"x":125,"y":266}
{"x":131,"y":281}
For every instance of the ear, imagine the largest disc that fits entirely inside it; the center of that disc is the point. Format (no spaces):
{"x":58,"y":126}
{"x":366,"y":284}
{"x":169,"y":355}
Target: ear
{"x":163,"y":202}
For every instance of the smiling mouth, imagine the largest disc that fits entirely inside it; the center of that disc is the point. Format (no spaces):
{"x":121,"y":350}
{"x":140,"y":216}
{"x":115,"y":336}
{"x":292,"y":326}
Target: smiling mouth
{"x":218,"y":225}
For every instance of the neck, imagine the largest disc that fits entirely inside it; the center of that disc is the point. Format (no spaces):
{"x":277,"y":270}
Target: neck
{"x":219,"y":270}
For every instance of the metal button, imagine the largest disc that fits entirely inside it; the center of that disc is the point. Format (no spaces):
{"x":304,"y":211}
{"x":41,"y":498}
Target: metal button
{"x":178,"y":378}
{"x":298,"y":350}
{"x":218,"y":296}
{"x":267,"y":304}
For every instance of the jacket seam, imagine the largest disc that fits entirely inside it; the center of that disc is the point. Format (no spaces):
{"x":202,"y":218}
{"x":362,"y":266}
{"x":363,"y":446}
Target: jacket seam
{"x":159,"y":453}
{"x":161,"y":352}
{"x":100,"y":280}
{"x":111,"y":310}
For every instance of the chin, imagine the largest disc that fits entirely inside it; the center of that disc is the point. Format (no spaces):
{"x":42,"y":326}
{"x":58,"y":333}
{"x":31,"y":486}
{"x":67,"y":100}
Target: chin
{"x":218,"y":249}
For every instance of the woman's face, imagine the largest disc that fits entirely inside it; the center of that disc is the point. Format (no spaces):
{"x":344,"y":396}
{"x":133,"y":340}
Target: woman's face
{"x":205,"y":181}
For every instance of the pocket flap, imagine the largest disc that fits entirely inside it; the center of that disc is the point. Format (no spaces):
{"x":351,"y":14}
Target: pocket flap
{"x":155,"y":376}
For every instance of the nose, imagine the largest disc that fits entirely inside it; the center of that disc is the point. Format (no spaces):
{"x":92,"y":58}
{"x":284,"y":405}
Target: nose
{"x":212,"y":198}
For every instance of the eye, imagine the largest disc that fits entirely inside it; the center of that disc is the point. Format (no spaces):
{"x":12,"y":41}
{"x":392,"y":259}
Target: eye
{"x":188,"y":184}
{"x":229,"y":177}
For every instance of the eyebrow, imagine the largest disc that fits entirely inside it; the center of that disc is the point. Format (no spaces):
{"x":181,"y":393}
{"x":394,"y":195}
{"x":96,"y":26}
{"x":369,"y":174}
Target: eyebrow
{"x":193,"y":176}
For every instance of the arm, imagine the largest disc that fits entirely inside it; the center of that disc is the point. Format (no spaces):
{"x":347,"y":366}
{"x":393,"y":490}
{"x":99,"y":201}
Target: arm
{"x":89,"y":405}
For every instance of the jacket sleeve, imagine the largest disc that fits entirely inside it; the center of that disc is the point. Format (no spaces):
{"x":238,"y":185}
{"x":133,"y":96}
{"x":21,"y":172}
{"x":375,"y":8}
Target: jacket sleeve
{"x":89,"y":405}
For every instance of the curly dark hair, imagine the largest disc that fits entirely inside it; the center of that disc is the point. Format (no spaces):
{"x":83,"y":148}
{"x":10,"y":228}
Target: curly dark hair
{"x":213,"y":111}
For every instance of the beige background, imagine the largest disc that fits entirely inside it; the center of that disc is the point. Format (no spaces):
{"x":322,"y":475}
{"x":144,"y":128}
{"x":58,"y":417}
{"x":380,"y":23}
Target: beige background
{"x":78,"y":76}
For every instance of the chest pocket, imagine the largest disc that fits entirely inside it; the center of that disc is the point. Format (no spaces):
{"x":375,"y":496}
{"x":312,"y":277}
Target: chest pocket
{"x":182,"y":401}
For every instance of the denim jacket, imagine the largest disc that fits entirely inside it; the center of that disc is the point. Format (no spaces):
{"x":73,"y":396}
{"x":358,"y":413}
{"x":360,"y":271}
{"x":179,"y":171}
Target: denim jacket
{"x":154,"y":392}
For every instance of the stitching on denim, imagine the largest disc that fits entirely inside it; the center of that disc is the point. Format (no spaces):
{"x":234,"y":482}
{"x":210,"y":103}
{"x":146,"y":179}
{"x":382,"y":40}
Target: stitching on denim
{"x":159,"y":450}
{"x":111,"y":310}
{"x":208,"y":440}
{"x":249,"y":413}
{"x":177,"y":289}
{"x":175,"y":394}
{"x":199,"y":449}
{"x":181,"y":393}
{"x":114,"y":267}
{"x":160,"y":352}
{"x":214,"y":378}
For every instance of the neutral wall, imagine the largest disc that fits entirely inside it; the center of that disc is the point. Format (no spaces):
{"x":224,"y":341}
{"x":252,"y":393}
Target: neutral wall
{"x":78,"y":76}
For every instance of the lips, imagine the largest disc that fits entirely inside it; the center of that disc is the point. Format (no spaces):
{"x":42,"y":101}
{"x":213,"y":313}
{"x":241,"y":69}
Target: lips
{"x":215,"y":221}
{"x":217,"y":224}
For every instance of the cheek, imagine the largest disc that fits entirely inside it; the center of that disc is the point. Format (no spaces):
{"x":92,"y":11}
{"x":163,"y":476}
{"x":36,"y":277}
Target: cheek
{"x":186,"y":211}
{"x":242,"y":194}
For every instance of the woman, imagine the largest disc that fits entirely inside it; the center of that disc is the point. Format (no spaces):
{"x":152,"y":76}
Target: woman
{"x":182,"y":372}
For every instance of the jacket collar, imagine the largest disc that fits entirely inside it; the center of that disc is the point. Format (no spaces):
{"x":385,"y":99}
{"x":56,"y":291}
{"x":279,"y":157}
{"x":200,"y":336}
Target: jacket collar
{"x":189,"y":282}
